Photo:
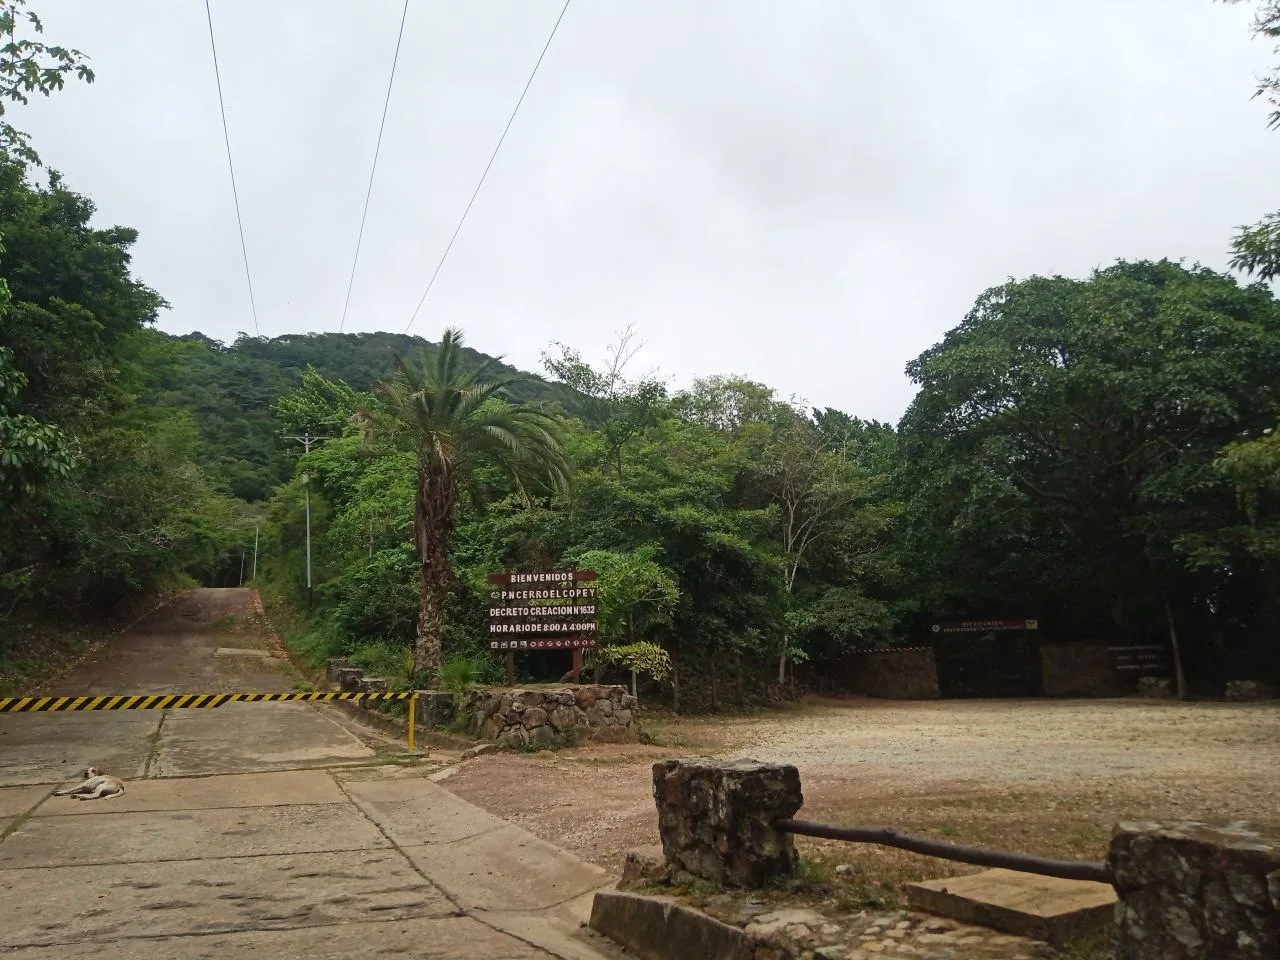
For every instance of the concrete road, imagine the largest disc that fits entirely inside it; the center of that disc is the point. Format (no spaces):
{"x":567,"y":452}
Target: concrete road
{"x":256,"y":829}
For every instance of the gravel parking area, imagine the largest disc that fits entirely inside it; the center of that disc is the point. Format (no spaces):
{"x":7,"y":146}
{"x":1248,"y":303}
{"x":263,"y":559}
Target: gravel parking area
{"x":1044,"y":776}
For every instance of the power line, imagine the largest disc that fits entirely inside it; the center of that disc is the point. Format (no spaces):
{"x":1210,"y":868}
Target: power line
{"x":376,"y":150}
{"x":226,"y":137}
{"x":476,"y":192}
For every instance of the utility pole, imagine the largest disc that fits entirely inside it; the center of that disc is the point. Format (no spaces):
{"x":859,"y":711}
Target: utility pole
{"x":254,"y":575}
{"x":307,"y":440}
{"x":242,"y":566}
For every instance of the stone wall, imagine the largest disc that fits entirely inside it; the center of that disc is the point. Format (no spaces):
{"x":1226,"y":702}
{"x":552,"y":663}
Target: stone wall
{"x":1189,"y":891}
{"x":905,"y":673}
{"x":1077,"y":668}
{"x":534,"y":718}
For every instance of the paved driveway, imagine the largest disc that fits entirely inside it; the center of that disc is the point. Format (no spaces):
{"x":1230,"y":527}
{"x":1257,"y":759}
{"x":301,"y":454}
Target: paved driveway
{"x":256,"y":829}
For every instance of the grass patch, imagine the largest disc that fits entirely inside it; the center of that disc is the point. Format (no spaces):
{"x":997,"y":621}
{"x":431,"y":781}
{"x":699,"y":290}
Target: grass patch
{"x":33,"y":655}
{"x":655,"y":737}
{"x":1100,"y":947}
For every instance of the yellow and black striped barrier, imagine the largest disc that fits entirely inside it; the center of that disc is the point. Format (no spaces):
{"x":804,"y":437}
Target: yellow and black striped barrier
{"x":192,"y":701}
{"x":174,"y":701}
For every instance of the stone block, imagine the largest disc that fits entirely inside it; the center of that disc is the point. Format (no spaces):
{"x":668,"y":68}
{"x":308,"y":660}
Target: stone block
{"x":1024,"y":904}
{"x":349,"y":679}
{"x":654,"y":928}
{"x":332,"y":667}
{"x":1191,"y":891}
{"x":1160,"y":688}
{"x":716,"y":818}
{"x":1249,"y":690}
{"x":436,"y":708}
{"x":564,"y":718}
{"x":514,"y":738}
{"x":533,"y":717}
{"x":541,"y":738}
{"x":372,"y":685}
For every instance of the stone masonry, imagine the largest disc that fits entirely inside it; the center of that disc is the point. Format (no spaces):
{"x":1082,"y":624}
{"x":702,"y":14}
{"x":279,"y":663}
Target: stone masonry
{"x":1189,"y":891}
{"x":716,"y":818}
{"x":534,"y":718}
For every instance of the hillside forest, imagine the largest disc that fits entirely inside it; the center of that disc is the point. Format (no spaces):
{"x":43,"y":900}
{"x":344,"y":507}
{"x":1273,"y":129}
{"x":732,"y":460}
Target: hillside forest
{"x":1097,"y":453}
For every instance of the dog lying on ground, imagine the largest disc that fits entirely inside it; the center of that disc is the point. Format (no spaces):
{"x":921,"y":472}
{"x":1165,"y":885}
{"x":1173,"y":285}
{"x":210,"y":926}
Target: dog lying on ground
{"x":95,"y":786}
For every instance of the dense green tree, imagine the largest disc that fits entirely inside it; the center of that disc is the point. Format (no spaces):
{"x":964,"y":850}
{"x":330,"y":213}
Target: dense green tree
{"x":457,"y":420}
{"x":634,"y":593}
{"x":31,"y":452}
{"x":1062,"y":446}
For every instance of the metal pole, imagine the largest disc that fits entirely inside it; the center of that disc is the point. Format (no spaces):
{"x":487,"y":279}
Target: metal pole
{"x":979,"y":856}
{"x":307,"y":440}
{"x":413,"y":702}
{"x":308,"y":498}
{"x":255,"y":552}
{"x":242,"y":567}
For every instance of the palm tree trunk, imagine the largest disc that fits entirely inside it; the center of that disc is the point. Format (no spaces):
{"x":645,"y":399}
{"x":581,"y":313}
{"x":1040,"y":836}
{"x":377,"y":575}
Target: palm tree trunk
{"x":433,"y":528}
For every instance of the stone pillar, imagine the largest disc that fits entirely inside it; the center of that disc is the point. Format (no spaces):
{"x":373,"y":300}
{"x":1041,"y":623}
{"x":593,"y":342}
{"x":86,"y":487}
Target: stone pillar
{"x":1189,"y":891}
{"x":716,"y":818}
{"x":333,"y":666}
{"x":349,"y":679}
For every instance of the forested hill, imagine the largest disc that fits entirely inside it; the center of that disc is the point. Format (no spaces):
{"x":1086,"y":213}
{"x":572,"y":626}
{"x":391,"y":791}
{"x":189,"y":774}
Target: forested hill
{"x":230,"y":389}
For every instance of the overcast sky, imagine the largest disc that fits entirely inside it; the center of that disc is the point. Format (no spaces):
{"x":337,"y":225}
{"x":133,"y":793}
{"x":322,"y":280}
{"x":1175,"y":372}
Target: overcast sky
{"x":804,"y":193}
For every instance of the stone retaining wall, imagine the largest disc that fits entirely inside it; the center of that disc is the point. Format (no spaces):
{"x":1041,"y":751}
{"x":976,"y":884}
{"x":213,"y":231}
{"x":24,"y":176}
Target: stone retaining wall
{"x":535,"y":718}
{"x":1077,"y":668}
{"x":905,"y":673}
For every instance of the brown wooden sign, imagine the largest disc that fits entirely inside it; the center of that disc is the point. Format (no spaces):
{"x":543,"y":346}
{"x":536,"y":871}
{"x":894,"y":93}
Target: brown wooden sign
{"x":985,"y":626}
{"x":558,"y":576}
{"x":542,"y":611}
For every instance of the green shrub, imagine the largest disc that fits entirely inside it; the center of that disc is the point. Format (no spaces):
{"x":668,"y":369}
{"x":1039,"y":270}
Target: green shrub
{"x":460,"y":675}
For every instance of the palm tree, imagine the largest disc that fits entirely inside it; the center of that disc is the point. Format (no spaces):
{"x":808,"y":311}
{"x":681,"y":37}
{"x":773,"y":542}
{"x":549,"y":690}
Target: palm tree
{"x":457,"y":419}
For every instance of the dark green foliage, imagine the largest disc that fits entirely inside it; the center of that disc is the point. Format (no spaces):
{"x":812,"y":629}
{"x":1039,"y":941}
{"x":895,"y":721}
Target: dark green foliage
{"x":101,"y":499}
{"x":233,"y":390}
{"x":1061,"y":453}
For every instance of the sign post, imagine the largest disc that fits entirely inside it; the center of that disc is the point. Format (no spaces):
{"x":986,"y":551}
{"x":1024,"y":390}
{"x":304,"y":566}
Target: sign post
{"x":542,"y":611}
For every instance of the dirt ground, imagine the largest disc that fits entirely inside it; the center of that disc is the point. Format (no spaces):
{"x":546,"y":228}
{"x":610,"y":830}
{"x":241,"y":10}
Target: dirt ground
{"x":1043,"y":776}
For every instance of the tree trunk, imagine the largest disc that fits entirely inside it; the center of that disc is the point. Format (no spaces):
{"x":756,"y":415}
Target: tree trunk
{"x":792,"y":569}
{"x":1180,"y":679}
{"x":433,"y":528}
{"x":741,"y":700}
{"x":675,"y":678}
{"x":715,"y":700}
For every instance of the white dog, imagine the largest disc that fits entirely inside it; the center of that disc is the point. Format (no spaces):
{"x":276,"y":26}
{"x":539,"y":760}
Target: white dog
{"x":95,"y":786}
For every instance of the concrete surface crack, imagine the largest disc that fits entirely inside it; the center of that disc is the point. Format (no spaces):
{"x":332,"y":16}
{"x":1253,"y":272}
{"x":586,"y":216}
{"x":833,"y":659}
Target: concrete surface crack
{"x":153,"y":745}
